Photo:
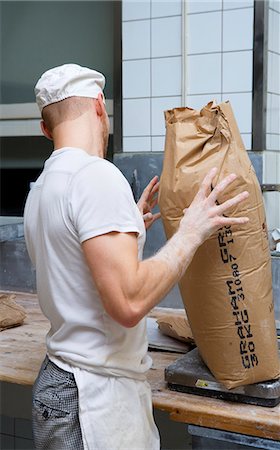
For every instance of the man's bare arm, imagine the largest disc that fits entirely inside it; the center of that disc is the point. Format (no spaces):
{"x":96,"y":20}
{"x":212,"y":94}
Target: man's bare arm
{"x":130,"y":288}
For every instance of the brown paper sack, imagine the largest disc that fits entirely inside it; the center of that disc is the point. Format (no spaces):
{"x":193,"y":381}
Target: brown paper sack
{"x":11,"y":314}
{"x":227,"y":288}
{"x":177,"y":327}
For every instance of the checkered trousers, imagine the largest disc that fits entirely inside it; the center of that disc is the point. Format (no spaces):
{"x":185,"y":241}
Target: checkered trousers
{"x":55,"y":410}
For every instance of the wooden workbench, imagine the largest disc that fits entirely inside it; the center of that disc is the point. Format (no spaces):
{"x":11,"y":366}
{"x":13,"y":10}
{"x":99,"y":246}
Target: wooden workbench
{"x":22,"y":349}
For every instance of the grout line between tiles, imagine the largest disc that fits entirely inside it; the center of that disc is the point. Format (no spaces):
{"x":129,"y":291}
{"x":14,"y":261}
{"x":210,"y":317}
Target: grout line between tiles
{"x":151,"y":18}
{"x":151,"y":57}
{"x":218,"y":10}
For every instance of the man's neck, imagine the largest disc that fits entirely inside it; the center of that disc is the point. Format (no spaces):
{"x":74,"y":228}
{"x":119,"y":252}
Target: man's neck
{"x":80,"y":138}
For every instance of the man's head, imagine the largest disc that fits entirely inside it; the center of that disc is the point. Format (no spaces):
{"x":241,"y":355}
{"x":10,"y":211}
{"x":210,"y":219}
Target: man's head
{"x":67,"y":92}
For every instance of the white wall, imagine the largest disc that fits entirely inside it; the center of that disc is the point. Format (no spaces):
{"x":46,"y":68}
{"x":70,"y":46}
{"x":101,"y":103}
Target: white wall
{"x":220,"y":56}
{"x":271,"y":160}
{"x":218,"y":62}
{"x":152,"y":55}
{"x":187,"y":53}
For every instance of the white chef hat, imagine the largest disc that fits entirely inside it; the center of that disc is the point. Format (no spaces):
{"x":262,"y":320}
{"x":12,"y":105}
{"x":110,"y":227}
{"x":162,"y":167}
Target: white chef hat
{"x":68,"y":80}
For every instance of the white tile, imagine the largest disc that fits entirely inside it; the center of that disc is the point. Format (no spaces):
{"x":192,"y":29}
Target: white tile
{"x":159,"y":105}
{"x":166,"y":76}
{"x":132,"y":9}
{"x":199,"y":101}
{"x":247,"y":140}
{"x":204,"y":74}
{"x":166,"y":36}
{"x":136,"y":117}
{"x":229,"y":4}
{"x":278,"y":168}
{"x":274,"y":31}
{"x":166,"y":8}
{"x":237,"y":71}
{"x":137,"y":144}
{"x":137,"y":78}
{"x":278,"y":203}
{"x":273,"y":75}
{"x":158,"y":143}
{"x":242,"y":109}
{"x":238,"y":29}
{"x":273,"y":142}
{"x":272,"y":207}
{"x":269,"y":167}
{"x":136,"y":39}
{"x":273,"y":114}
{"x":195,"y":6}
{"x":275,"y":4}
{"x":205,"y":32}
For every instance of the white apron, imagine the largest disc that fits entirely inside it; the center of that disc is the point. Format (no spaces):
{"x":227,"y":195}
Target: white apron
{"x":115,"y":412}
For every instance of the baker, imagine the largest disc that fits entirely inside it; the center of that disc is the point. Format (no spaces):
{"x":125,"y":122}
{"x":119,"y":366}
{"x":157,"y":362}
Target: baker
{"x":85,"y":236}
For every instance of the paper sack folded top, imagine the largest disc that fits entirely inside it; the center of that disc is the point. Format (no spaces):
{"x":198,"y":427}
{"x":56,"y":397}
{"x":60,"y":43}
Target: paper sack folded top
{"x":227,"y":289}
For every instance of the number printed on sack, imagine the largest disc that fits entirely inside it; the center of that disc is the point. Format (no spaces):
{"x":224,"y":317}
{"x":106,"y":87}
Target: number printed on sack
{"x":236,"y":296}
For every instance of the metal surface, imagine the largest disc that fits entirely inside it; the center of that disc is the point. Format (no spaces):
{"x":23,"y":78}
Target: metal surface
{"x":259,"y":74}
{"x":212,"y":438}
{"x":11,"y":228}
{"x":190,"y":374}
{"x":270,"y":187}
{"x":135,"y":185}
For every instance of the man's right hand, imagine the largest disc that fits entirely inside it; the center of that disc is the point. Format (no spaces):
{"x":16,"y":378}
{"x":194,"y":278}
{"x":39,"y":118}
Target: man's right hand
{"x":204,"y":216}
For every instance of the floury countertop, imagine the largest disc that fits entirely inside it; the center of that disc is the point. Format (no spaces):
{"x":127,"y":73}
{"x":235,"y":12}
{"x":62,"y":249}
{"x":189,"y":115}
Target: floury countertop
{"x":20,"y":367}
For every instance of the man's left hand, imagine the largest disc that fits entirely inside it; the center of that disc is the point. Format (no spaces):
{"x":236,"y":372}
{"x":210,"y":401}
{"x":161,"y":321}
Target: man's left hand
{"x":148,"y":201}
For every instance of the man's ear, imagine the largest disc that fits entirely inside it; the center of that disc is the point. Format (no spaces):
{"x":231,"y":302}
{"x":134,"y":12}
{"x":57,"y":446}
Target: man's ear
{"x":45,"y":131}
{"x":100,"y":107}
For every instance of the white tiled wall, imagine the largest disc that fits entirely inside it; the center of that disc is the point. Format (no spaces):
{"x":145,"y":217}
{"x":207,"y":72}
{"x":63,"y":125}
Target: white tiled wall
{"x":241,"y":80}
{"x":197,"y":101}
{"x":272,"y":208}
{"x":220,"y":57}
{"x":137,"y":78}
{"x":271,"y":159}
{"x":218,"y":37}
{"x":136,"y":39}
{"x":242,"y":107}
{"x":273,"y":82}
{"x":236,"y":4}
{"x":271,"y":175}
{"x":135,"y":10}
{"x":166,"y":8}
{"x":204,"y":32}
{"x":271,"y":166}
{"x":159,"y":105}
{"x":166,"y":76}
{"x":137,"y":117}
{"x":273,"y":79}
{"x":273,"y":114}
{"x":237,"y":28}
{"x":152,"y":70}
{"x":166,"y":36}
{"x":204,"y":6}
{"x":204,"y":73}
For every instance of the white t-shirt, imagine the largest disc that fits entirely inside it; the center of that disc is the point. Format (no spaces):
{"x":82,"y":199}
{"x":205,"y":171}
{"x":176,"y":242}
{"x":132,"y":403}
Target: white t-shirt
{"x":77,"y":197}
